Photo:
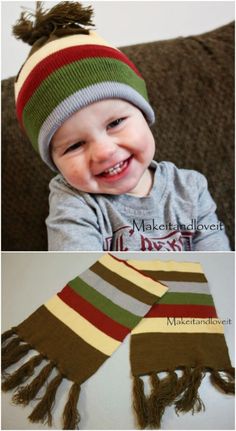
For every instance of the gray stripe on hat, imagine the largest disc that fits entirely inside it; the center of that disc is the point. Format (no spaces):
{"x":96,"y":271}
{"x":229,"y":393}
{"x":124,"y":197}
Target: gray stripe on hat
{"x":115,"y":295}
{"x":186,"y":286}
{"x":82,"y":98}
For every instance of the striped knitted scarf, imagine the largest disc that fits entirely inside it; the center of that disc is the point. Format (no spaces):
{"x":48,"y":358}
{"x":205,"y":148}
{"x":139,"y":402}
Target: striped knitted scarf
{"x":80,"y":327}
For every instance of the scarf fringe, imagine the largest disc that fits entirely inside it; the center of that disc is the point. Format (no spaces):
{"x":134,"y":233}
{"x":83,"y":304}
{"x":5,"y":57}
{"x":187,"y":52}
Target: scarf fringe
{"x":227,"y":386}
{"x":27,"y":393}
{"x":163,"y":393}
{"x":182,"y":392}
{"x":7,"y":334}
{"x":22,"y":374}
{"x":71,"y":415}
{"x":10,"y":346}
{"x":12,"y":352}
{"x":43,"y":410}
{"x":190,"y":399}
{"x":140,"y":402}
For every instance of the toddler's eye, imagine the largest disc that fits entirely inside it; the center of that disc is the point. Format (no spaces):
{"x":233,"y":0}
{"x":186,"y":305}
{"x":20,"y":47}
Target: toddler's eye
{"x":115,"y":123}
{"x":73,"y":147}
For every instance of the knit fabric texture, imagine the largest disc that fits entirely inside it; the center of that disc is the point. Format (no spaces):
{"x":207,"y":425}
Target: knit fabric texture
{"x":91,"y":317}
{"x":68,"y":74}
{"x":190,"y":83}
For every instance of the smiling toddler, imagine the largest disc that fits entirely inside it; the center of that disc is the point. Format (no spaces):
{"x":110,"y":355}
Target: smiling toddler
{"x":84,"y":106}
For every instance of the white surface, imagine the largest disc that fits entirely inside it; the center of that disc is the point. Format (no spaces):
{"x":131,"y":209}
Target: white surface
{"x":29,"y":279}
{"x":124,"y":23}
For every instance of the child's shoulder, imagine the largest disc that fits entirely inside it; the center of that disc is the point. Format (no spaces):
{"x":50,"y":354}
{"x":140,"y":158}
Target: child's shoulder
{"x":60,"y":189}
{"x":59,"y":182}
{"x":61,"y":192}
{"x":181,"y":175}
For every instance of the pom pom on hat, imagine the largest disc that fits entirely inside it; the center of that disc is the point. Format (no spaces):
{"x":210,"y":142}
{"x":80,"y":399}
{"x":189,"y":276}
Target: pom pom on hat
{"x":69,"y":67}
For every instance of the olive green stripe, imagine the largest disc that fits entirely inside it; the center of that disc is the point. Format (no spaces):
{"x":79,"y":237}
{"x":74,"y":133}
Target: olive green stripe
{"x":186,"y":298}
{"x":105,"y":305}
{"x":71,"y":78}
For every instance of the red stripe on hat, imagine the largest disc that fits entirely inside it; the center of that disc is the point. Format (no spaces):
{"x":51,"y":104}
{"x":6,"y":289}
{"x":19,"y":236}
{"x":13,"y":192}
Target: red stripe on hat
{"x":93,"y":315}
{"x":176,"y":310}
{"x":59,"y":59}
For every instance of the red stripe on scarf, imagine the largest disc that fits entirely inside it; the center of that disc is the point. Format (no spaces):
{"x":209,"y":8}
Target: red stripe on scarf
{"x":93,"y":315}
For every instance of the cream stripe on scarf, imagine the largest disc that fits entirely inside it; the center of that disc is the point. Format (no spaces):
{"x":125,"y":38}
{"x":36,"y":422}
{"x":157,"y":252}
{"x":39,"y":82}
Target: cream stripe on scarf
{"x":170,"y":266}
{"x":162,"y":324}
{"x":81,"y":326}
{"x":132,"y":275}
{"x":51,"y":48}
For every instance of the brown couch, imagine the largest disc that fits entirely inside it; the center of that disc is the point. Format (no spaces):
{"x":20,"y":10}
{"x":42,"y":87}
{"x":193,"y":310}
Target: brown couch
{"x":190,"y":83}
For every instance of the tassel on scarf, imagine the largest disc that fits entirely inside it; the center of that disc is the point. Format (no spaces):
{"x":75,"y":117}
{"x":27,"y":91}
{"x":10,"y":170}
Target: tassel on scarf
{"x":227,"y":386}
{"x":27,"y":393}
{"x":7,"y":334}
{"x":9,"y":347}
{"x":190,"y":399}
{"x":71,"y":416}
{"x":181,"y":391}
{"x":43,"y":410}
{"x":163,"y":393}
{"x":12,"y":352}
{"x":22,"y":374}
{"x":140,"y":402}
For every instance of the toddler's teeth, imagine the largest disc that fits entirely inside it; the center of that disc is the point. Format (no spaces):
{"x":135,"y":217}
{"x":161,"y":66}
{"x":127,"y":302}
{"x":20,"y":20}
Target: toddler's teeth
{"x":116,"y":169}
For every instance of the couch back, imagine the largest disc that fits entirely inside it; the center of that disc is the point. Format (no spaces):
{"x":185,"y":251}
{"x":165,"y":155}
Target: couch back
{"x":190,"y":83}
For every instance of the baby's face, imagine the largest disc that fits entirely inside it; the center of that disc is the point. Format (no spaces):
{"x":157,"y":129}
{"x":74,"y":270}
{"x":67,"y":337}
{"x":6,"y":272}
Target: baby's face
{"x":105,"y":148}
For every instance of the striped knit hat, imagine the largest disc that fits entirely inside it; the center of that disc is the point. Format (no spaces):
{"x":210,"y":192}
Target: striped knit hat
{"x":67,"y":74}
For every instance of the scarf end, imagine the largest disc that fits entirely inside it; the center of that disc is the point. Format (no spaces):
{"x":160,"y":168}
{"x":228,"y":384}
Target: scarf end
{"x":180,"y":391}
{"x":14,"y":349}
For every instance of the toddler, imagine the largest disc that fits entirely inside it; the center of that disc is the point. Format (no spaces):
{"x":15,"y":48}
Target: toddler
{"x":84,"y":106}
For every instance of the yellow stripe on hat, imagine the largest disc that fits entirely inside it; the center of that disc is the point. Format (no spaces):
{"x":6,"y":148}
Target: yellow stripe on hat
{"x":130,"y":274}
{"x":171,"y":325}
{"x":81,"y":326}
{"x":51,"y":48}
{"x":169,"y":266}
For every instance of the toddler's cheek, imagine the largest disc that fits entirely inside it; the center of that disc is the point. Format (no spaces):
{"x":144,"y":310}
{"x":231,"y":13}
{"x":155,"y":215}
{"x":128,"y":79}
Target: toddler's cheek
{"x":74,"y":176}
{"x":148,"y":148}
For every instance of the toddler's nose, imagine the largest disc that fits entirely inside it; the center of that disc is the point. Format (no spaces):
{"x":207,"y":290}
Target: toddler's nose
{"x":102,"y":150}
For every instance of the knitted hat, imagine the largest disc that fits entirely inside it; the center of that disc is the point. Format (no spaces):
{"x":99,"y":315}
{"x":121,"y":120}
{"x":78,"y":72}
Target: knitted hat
{"x":68,"y":73}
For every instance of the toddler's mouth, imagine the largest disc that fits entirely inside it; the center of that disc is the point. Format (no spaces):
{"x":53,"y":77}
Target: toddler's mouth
{"x":116,"y":169}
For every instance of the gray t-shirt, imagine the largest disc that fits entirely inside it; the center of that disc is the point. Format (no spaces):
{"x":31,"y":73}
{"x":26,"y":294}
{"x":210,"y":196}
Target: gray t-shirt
{"x":178,"y":214}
